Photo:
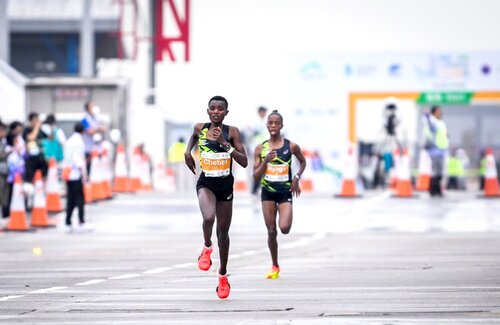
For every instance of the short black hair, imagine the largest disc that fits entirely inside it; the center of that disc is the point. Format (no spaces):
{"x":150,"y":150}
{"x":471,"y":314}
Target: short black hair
{"x":78,"y":127}
{"x":222,"y":99}
{"x":32,"y":116}
{"x":51,"y":119}
{"x":262,"y":109}
{"x":15,"y":124}
{"x":275,"y":112}
{"x":87,"y":104}
{"x":435,"y":108}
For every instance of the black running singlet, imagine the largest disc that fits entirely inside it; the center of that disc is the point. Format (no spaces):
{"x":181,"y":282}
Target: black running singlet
{"x":214,"y":160}
{"x":278,"y":176}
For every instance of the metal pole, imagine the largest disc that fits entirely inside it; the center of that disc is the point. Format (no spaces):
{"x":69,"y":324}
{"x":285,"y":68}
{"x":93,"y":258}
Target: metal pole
{"x":4,"y":32}
{"x":87,"y":41}
{"x":152,"y":51}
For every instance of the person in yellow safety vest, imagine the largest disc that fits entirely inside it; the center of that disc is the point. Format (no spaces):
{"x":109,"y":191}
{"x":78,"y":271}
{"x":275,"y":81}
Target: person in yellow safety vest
{"x":176,"y":162}
{"x":456,"y":173}
{"x":436,"y":143}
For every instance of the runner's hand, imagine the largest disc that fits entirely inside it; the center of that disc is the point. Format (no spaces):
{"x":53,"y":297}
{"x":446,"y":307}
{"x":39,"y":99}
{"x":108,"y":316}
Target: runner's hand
{"x":188,"y":158}
{"x":217,"y":134}
{"x":295,"y":189}
{"x":270,"y":156}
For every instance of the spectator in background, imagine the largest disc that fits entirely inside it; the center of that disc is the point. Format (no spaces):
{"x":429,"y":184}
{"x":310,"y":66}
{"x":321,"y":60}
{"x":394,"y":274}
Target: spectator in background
{"x":482,"y":169}
{"x":93,"y":130}
{"x":176,"y":161}
{"x":436,"y":143}
{"x":15,"y":162}
{"x":456,"y":173}
{"x":54,"y":143}
{"x":75,"y":173}
{"x":33,"y":136}
{"x":16,"y":129}
{"x":4,"y":172}
{"x":259,"y":135}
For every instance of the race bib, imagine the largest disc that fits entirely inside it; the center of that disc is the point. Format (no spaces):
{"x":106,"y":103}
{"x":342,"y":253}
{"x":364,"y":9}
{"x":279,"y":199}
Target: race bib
{"x":276,"y":173}
{"x":215,"y":164}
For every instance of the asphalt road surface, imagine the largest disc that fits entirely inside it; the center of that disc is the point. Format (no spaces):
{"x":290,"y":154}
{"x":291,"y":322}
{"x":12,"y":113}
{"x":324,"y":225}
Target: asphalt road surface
{"x":375,"y":260}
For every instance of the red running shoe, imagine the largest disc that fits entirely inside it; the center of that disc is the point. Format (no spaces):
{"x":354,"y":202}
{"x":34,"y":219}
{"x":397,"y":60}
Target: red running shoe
{"x":204,"y":261}
{"x":224,"y":287}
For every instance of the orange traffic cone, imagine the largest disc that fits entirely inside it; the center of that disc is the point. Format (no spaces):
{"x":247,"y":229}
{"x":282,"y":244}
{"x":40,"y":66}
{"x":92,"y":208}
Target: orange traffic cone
{"x":98,"y":191}
{"x":160,"y":179}
{"x":106,"y":175}
{"x":145,"y":174}
{"x":121,"y":180}
{"x":39,"y":215}
{"x":424,"y":171}
{"x":403,"y":185}
{"x":170,"y":183}
{"x":53,"y":189}
{"x":348,"y":189}
{"x":306,"y":182}
{"x":17,"y":221}
{"x":240,"y":179}
{"x":87,"y":193}
{"x":135,"y":171}
{"x":491,"y":188}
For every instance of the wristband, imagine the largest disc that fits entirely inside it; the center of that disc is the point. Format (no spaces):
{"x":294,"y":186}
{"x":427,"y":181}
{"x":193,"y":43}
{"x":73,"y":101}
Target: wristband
{"x":297,"y":176}
{"x":230,"y":151}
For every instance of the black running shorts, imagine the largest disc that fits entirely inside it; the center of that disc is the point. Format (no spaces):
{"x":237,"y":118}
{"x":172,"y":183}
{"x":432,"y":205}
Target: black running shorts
{"x":222,"y":187}
{"x":278,"y":197}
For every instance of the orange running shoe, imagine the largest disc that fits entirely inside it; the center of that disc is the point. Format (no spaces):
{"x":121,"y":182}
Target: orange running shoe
{"x":274,"y":274}
{"x":204,"y":261}
{"x":224,"y":287}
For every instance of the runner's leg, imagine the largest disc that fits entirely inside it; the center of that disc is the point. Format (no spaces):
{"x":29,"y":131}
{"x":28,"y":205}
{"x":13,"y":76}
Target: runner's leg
{"x":207,"y":201}
{"x":286,"y":217}
{"x":224,"y":215}
{"x":269,"y":210}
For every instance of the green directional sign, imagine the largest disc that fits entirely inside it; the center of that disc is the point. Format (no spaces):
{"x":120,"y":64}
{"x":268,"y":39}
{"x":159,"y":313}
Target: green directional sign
{"x":445,"y":98}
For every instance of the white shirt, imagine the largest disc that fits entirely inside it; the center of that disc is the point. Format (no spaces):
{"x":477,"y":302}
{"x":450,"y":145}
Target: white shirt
{"x":74,"y":156}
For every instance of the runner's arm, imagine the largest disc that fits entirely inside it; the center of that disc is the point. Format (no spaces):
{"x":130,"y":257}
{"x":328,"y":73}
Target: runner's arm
{"x":295,"y":188}
{"x":238,"y":154}
{"x":188,"y":157}
{"x":260,"y":167}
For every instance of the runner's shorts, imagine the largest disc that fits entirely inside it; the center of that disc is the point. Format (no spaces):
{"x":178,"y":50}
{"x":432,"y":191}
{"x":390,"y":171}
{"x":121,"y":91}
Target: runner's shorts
{"x":278,"y":197}
{"x":222,"y":187}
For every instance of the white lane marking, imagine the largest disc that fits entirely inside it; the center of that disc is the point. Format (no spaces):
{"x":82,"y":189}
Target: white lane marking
{"x":183,"y":265}
{"x":319,"y":235}
{"x":300,"y":242}
{"x":90,"y":282}
{"x":47,"y":290}
{"x":125,"y":276}
{"x":158,"y":270}
{"x":235,"y":256}
{"x":9,"y":298}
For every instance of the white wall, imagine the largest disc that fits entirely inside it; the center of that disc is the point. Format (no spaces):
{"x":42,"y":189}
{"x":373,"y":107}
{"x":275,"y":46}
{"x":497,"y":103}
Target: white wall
{"x":240,"y":48}
{"x":12,"y":94}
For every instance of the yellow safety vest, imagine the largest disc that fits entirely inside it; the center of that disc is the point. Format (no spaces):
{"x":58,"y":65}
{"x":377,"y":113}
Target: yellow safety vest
{"x":441,"y":136}
{"x":176,"y":152}
{"x":455,"y":167}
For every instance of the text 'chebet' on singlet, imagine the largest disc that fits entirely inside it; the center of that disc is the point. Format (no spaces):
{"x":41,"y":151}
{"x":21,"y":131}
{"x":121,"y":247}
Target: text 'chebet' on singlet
{"x":214,"y":160}
{"x":278,"y":172}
